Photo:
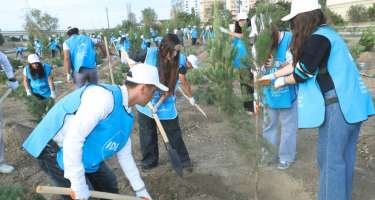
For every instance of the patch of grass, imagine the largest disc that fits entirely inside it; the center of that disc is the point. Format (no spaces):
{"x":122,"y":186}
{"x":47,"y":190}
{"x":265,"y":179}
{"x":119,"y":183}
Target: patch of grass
{"x":18,"y":193}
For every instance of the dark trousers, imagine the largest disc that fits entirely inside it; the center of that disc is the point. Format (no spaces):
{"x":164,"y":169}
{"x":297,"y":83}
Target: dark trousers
{"x":103,"y":180}
{"x":194,"y":41}
{"x":85,"y":75}
{"x":53,"y":53}
{"x":149,"y":139}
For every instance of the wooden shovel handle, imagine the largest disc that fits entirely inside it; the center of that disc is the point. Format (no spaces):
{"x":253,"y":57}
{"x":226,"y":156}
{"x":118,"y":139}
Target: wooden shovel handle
{"x":158,"y":123}
{"x":94,"y":194}
{"x":109,"y":60}
{"x":2,"y":98}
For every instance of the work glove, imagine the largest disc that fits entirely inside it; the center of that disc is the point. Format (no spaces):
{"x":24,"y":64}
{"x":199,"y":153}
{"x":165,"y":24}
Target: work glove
{"x":280,"y":82}
{"x":192,"y":101}
{"x":13,"y":84}
{"x":80,"y":193}
{"x":28,"y":93}
{"x":68,"y":77}
{"x":53,"y":95}
{"x":142,"y":193}
{"x":155,"y":109}
{"x":223,"y":30}
{"x":268,"y":77}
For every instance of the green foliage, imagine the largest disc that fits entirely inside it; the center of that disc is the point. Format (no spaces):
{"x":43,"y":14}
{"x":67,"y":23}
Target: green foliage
{"x":40,"y":25}
{"x":219,"y":71}
{"x":2,"y":40}
{"x":35,"y":106}
{"x":356,"y":50}
{"x":120,"y":73}
{"x":183,"y":19}
{"x":149,"y":17}
{"x":333,"y":17}
{"x":371,"y":12}
{"x":357,"y":13}
{"x":18,"y":193}
{"x":368,"y":39}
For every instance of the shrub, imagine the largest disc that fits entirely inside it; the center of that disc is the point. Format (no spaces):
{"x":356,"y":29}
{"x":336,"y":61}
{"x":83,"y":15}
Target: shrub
{"x":18,"y":193}
{"x":2,"y":40}
{"x":334,"y":18}
{"x":371,"y":12}
{"x":357,"y":13}
{"x":368,"y":39}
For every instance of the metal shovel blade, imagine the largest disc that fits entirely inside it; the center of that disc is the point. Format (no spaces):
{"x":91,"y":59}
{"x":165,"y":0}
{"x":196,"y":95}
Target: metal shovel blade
{"x":175,"y":160}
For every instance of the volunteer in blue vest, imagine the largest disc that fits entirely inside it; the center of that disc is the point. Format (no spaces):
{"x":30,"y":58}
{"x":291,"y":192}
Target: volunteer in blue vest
{"x":240,"y":64}
{"x":12,"y":84}
{"x":19,"y":51}
{"x":37,"y":78}
{"x":281,"y":104}
{"x":38,"y":47}
{"x":80,"y":57}
{"x":166,"y":60}
{"x":331,"y":95}
{"x":78,"y":134}
{"x":194,"y":35}
{"x":53,"y":47}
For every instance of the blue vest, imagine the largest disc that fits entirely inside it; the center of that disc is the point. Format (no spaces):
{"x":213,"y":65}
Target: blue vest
{"x":144,"y":44}
{"x":39,"y":85}
{"x":354,"y":98}
{"x":194,"y":33}
{"x":241,"y":52}
{"x":167,"y":110}
{"x":53,"y":45}
{"x":108,"y":137}
{"x":283,"y":97}
{"x":126,"y":45}
{"x":82,"y":52}
{"x":182,"y":61}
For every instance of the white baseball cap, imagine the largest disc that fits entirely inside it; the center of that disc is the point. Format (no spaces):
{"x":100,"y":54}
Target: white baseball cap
{"x":193,"y":61}
{"x":70,"y":28}
{"x":33,"y":58}
{"x":145,"y":74}
{"x":242,"y":16}
{"x":299,"y":6}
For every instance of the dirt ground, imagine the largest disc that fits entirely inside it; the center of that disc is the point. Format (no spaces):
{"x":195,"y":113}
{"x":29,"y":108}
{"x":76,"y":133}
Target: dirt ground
{"x":222,"y":171}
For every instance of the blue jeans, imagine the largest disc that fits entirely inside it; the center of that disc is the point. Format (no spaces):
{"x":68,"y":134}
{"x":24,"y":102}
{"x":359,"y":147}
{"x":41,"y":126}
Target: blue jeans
{"x":287,"y":118}
{"x":336,"y":153}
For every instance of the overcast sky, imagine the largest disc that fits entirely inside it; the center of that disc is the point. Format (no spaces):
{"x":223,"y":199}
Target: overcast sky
{"x":86,"y":14}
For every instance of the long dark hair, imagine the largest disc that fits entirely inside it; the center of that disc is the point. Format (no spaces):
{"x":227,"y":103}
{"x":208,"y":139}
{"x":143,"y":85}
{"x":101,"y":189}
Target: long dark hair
{"x":303,"y":25}
{"x":275,"y":35}
{"x":38,"y":72}
{"x":168,"y":69}
{"x":237,"y":27}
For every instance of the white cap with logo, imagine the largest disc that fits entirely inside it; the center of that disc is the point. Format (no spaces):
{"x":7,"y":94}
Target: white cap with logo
{"x":299,"y":6}
{"x":193,"y":61}
{"x":145,"y":74}
{"x":33,"y":58}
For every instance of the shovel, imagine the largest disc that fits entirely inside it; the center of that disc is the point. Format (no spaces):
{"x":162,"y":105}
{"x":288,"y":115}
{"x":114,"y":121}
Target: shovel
{"x":175,"y":160}
{"x":196,"y":105}
{"x":94,"y":194}
{"x":2,"y":98}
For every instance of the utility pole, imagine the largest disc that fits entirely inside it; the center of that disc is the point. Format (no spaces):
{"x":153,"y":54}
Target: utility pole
{"x":106,"y":10}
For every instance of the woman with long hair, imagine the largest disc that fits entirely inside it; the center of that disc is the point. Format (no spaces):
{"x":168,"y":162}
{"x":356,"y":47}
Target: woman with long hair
{"x":37,"y":78}
{"x":166,"y":59}
{"x":331,"y":95}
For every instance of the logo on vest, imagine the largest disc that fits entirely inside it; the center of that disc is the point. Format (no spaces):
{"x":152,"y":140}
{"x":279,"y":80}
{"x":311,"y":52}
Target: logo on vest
{"x":112,"y":146}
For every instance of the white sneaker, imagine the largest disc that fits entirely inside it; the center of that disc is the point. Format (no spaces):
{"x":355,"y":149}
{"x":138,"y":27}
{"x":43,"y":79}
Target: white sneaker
{"x":5,"y":168}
